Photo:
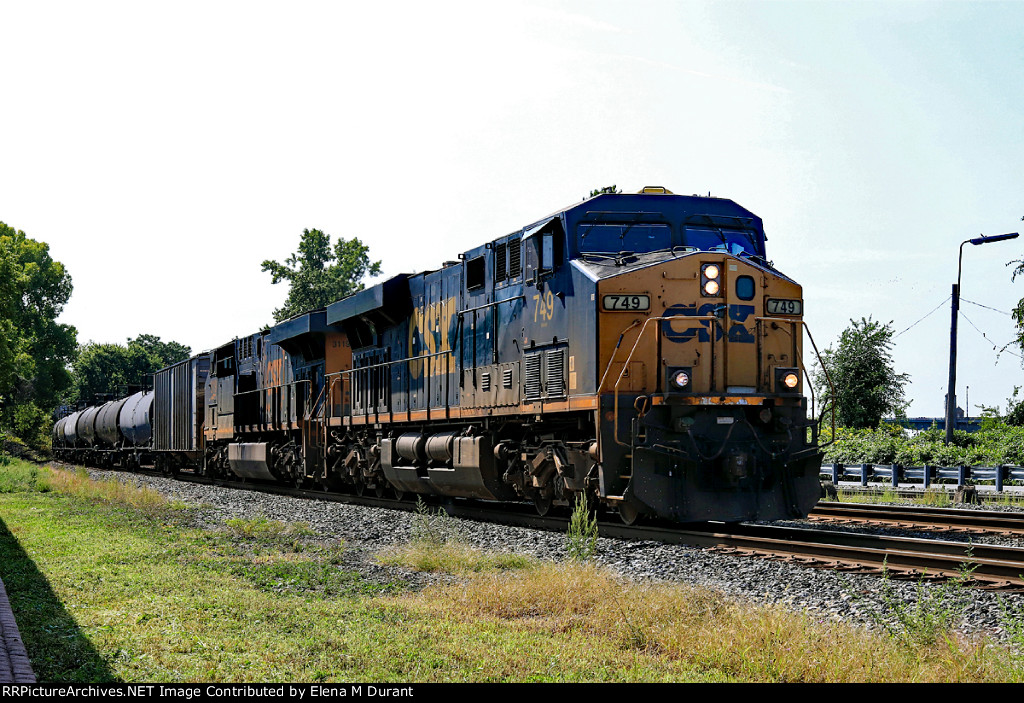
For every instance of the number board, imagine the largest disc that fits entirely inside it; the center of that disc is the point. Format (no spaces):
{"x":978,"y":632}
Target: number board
{"x":781,"y":306}
{"x":627,"y":302}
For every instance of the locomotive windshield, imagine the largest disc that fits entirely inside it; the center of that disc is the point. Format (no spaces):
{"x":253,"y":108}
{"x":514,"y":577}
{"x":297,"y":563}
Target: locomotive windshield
{"x":637,"y":238}
{"x":733,"y":241}
{"x":604,"y":238}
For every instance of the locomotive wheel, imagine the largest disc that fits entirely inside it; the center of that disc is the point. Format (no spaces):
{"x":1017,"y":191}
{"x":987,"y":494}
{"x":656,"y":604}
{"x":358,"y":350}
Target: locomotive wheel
{"x":399,"y":495}
{"x":359,"y":487}
{"x":328,"y":484}
{"x":542,"y":504}
{"x":379,"y":489}
{"x":628,"y":513}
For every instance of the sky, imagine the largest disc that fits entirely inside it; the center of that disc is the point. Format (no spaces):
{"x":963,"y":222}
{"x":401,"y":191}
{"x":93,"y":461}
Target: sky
{"x":164,"y":150}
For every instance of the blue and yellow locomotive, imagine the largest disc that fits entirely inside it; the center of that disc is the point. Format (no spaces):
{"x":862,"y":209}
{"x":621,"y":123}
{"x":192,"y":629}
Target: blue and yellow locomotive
{"x":636,"y":350}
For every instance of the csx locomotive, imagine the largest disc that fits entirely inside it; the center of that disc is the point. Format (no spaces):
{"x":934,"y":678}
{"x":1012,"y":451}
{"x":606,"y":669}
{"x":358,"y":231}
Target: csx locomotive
{"x":635,"y":350}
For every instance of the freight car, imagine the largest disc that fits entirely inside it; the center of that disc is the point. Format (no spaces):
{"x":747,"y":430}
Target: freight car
{"x":638,"y":351}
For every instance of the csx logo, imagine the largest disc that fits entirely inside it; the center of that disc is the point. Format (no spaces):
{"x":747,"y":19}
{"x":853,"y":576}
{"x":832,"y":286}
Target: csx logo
{"x":677,"y":331}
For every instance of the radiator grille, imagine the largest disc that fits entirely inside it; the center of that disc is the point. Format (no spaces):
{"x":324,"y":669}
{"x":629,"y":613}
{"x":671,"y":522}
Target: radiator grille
{"x":499,"y":263}
{"x":532,"y":387}
{"x":555,"y":385}
{"x":514,"y":254}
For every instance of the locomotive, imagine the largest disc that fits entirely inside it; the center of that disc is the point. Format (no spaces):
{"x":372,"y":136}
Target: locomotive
{"x":638,"y":351}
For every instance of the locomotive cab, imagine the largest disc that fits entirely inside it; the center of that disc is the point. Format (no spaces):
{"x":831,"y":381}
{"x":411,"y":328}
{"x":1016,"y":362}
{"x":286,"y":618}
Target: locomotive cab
{"x":700,"y":345}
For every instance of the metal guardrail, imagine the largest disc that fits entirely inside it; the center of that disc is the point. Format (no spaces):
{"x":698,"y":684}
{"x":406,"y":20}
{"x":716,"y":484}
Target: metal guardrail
{"x":896,"y":474}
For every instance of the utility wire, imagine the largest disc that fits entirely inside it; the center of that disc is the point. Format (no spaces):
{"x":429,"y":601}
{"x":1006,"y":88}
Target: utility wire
{"x":995,"y":347}
{"x":922,"y":319}
{"x":983,"y":306}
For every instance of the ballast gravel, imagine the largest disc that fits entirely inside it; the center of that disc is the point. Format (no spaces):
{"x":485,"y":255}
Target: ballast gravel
{"x":822,"y":594}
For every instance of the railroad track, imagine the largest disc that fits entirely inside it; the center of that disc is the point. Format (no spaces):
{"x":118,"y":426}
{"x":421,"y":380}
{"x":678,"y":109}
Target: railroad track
{"x":988,"y":567}
{"x":923,"y":517}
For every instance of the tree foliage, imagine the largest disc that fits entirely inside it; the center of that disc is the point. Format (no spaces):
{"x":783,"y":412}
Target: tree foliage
{"x":34,"y":348}
{"x":606,"y":189}
{"x":867,"y":387}
{"x":1018,"y":310}
{"x":114,"y":368}
{"x":319,"y":274}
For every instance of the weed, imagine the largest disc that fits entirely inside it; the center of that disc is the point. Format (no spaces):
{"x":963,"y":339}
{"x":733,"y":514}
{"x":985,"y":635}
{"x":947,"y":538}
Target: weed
{"x":113,"y":492}
{"x":435,"y":527}
{"x":455,"y":558}
{"x":18,"y":475}
{"x":581,"y":537}
{"x":928,"y":617}
{"x":889,"y":495}
{"x":438,"y":543}
{"x":936,"y":497}
{"x":263,"y":528}
{"x":1012,"y":621}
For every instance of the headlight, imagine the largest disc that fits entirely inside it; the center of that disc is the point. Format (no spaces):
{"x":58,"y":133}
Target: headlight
{"x":787,"y":381}
{"x":710,"y":280}
{"x":680,"y":379}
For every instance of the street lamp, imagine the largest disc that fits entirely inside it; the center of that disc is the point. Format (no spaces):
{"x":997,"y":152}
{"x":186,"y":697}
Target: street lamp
{"x":951,"y":389}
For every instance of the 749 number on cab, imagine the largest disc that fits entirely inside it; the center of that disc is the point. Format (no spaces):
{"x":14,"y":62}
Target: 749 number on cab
{"x":782,"y":306}
{"x":626,"y":301}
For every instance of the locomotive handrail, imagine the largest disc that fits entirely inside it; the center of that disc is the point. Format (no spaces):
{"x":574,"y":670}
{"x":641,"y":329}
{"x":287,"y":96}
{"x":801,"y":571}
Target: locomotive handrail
{"x":803,"y":369}
{"x":625,"y":364}
{"x":828,"y":377}
{"x":312,"y":408}
{"x":491,"y":305}
{"x":615,"y":351}
{"x":758,"y":320}
{"x":279,"y":385}
{"x":339,"y":376}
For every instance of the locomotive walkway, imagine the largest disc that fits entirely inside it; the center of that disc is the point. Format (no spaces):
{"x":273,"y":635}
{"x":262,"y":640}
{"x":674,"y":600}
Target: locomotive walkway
{"x":14,"y":663}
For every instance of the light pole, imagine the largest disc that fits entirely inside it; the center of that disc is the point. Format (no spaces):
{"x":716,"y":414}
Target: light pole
{"x":951,"y":388}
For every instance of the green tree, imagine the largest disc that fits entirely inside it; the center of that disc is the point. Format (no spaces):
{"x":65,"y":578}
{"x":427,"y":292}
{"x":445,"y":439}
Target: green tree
{"x":319,"y":274}
{"x":606,"y":189}
{"x":34,"y":348}
{"x":161,"y":354}
{"x":1018,"y":311}
{"x":867,"y":387}
{"x":112,"y":368}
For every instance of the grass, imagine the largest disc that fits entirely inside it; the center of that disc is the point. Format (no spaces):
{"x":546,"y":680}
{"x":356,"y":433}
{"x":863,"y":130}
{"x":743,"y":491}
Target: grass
{"x":263,"y":528}
{"x":700,"y":631}
{"x":438,"y":544}
{"x":108,"y":586}
{"x":933,"y":497}
{"x":18,"y":476}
